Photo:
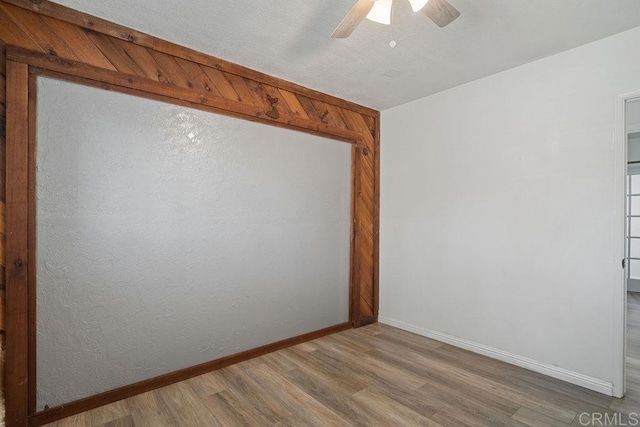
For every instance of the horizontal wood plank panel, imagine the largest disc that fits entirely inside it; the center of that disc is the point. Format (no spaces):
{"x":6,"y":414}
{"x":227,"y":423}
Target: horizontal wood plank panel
{"x":80,"y":43}
{"x":337,"y":116}
{"x":208,"y":85}
{"x":324,"y":113}
{"x":171,"y":69}
{"x":309,"y":108}
{"x":13,"y":34}
{"x":145,"y":61}
{"x":84,"y":20}
{"x":258,"y":91}
{"x":191,"y":68}
{"x":197,"y":77}
{"x":117,"y":56}
{"x":281,"y":103}
{"x":244,"y":92}
{"x":293,"y":103}
{"x":199,"y":80}
{"x":221,"y":83}
{"x":100,"y":25}
{"x":37,"y":29}
{"x":231,"y":68}
{"x":144,"y":85}
{"x":352,"y":121}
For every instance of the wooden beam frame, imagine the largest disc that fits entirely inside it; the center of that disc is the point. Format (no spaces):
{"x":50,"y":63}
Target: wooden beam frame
{"x":45,"y":38}
{"x":23,"y":67}
{"x":121,"y":32}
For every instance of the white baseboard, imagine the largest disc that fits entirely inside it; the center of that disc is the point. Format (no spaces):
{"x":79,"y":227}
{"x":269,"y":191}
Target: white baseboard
{"x":523,"y":362}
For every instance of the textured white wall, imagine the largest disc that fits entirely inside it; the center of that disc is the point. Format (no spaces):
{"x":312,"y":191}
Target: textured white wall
{"x":169,"y":237}
{"x":497,"y":210}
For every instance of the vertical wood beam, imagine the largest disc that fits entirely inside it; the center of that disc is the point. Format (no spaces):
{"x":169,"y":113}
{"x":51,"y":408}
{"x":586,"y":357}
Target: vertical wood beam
{"x":376,"y":219}
{"x":16,"y":255}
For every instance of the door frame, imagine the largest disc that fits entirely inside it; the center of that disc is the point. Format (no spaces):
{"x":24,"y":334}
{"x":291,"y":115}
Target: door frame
{"x":620,"y":247}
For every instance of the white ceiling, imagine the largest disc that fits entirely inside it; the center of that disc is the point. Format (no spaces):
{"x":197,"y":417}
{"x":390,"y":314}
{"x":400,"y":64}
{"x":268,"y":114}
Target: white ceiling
{"x":291,"y":39}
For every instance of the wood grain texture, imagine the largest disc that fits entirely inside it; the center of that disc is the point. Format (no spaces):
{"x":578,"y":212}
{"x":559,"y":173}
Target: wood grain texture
{"x":64,"y":43}
{"x":89,"y":22}
{"x":12,"y":33}
{"x":141,"y":86}
{"x":3,"y":146}
{"x":376,"y":375}
{"x":16,"y":249}
{"x":39,"y":31}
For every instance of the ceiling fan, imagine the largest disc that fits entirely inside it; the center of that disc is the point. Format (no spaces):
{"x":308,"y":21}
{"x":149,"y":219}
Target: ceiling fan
{"x":439,"y":11}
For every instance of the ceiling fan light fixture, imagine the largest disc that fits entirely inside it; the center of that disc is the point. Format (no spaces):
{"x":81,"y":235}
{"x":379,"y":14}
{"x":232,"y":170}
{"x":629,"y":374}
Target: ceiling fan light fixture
{"x":417,"y":5}
{"x":381,"y":12}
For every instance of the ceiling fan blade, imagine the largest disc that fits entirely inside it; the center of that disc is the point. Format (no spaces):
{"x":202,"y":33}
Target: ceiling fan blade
{"x":441,"y":12}
{"x":353,"y":18}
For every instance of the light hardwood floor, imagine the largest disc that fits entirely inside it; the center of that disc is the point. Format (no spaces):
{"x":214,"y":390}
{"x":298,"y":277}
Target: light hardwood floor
{"x":376,"y":375}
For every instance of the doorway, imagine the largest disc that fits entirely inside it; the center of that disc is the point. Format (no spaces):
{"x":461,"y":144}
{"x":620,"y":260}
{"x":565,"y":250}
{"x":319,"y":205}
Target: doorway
{"x":632,"y":360}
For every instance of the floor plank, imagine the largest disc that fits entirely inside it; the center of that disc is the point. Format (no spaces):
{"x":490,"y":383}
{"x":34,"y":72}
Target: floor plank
{"x":148,"y":410}
{"x":532,"y":418}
